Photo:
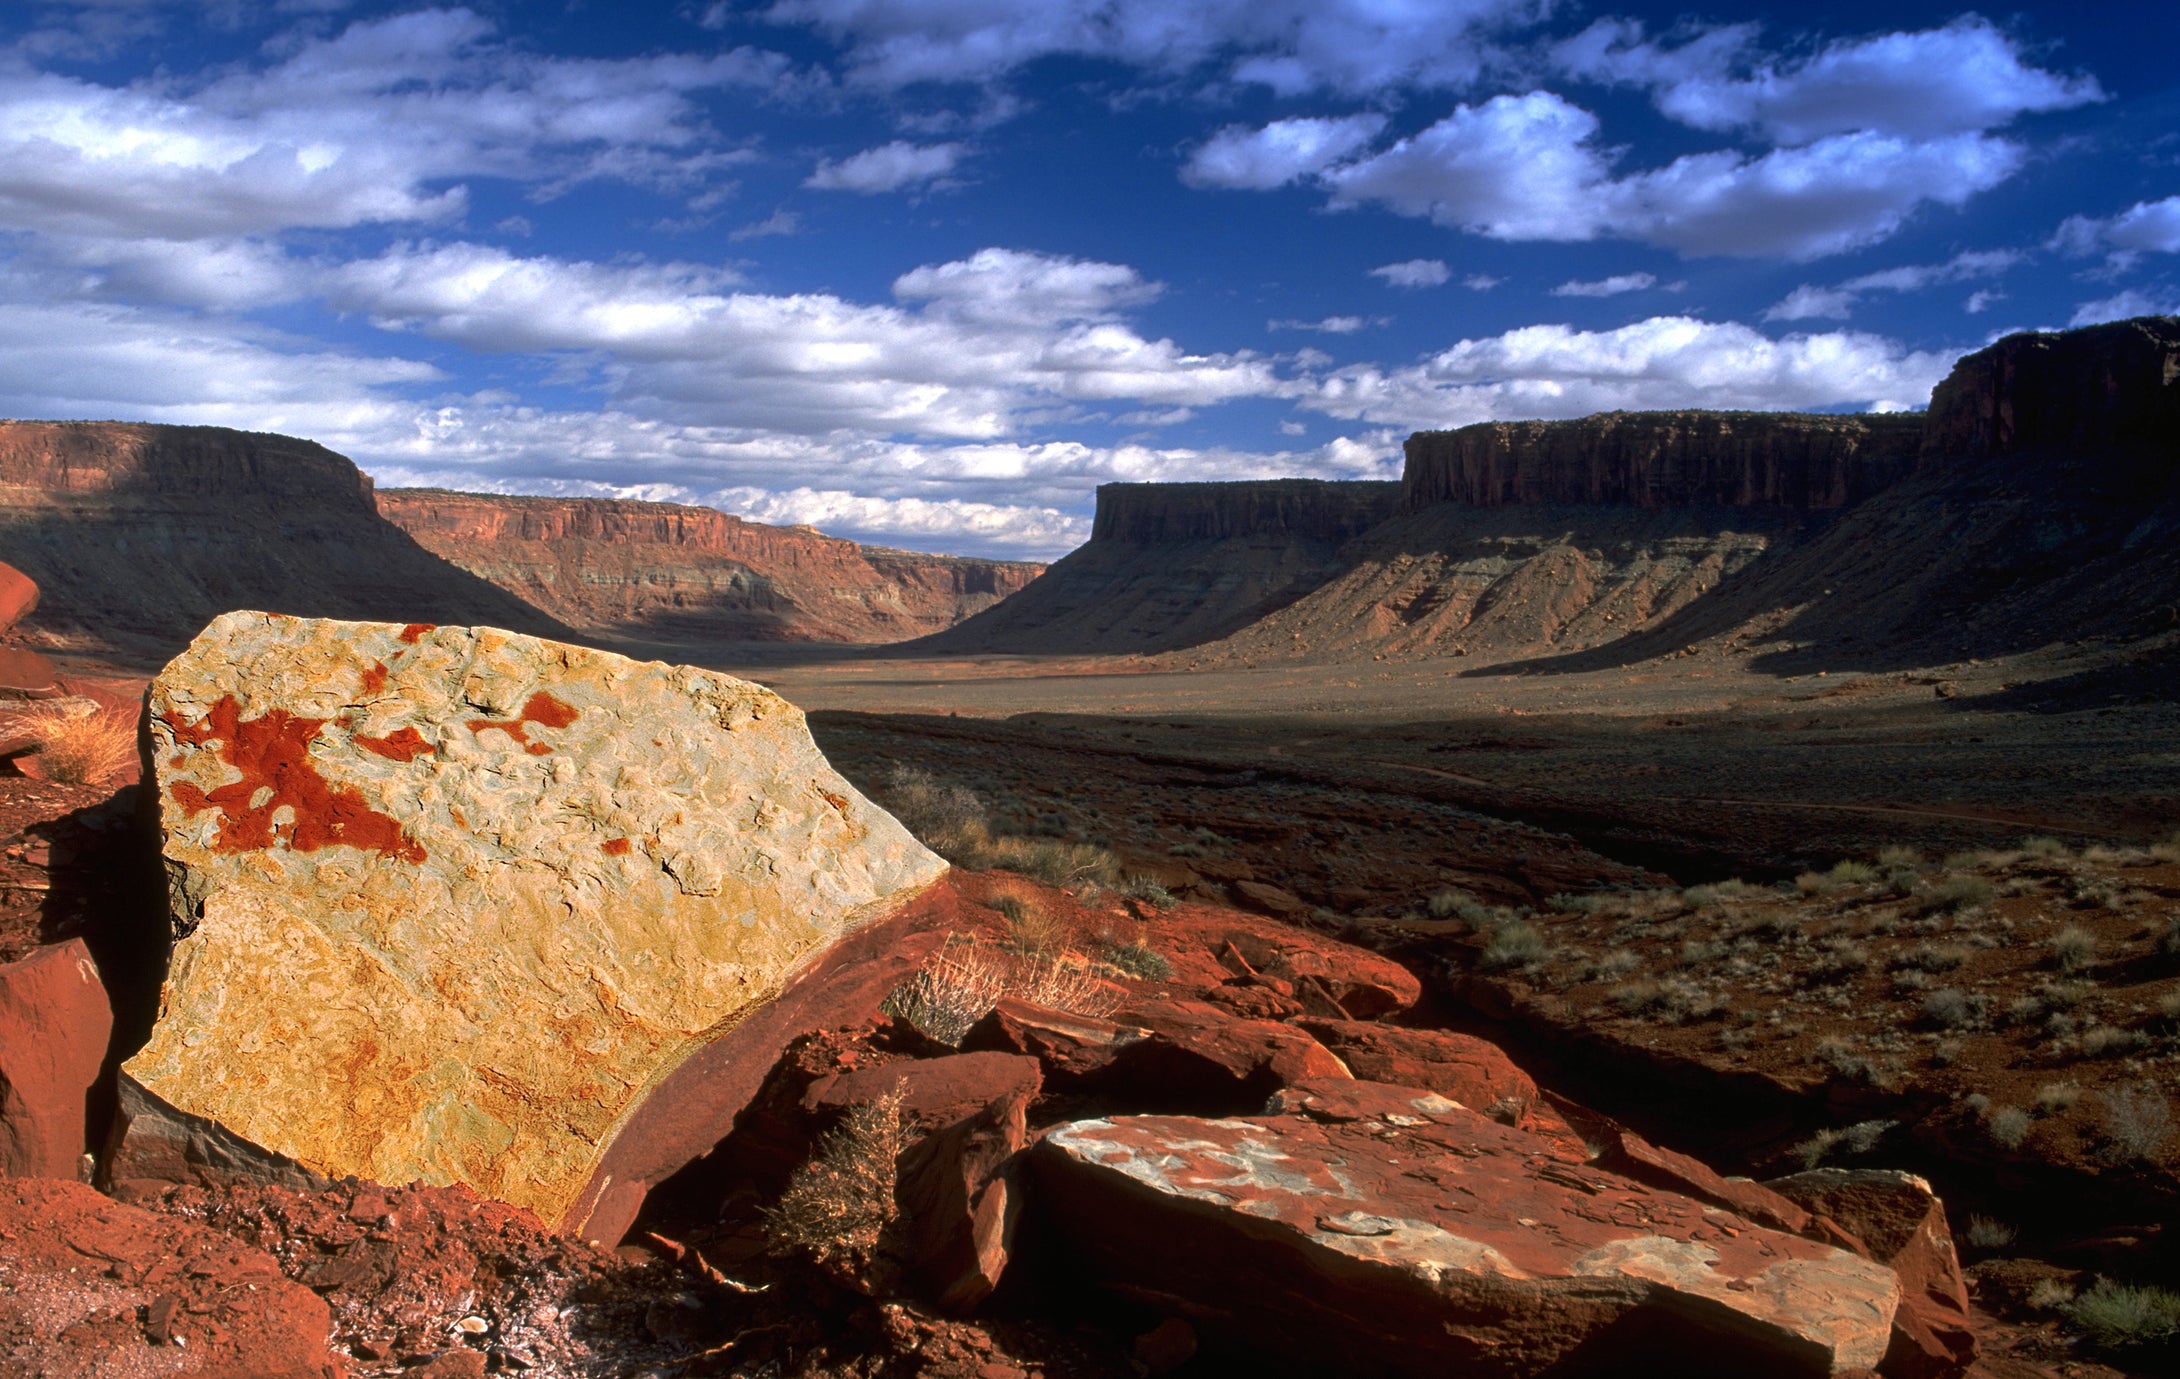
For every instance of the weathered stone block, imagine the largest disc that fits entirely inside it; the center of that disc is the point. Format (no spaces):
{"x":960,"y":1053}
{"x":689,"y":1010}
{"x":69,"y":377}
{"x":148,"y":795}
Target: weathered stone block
{"x":453,"y":902}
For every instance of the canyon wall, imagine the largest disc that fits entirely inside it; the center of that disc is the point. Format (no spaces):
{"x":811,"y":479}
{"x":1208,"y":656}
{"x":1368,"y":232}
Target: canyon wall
{"x":1789,"y":460}
{"x":1172,"y":565}
{"x":1306,"y":509}
{"x":139,"y":535}
{"x":2110,"y":392}
{"x":669,"y":572}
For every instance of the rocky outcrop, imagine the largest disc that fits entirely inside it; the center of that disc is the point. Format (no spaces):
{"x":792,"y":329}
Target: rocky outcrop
{"x":1174,"y":565}
{"x":2110,"y":391}
{"x":669,"y":572}
{"x":1663,"y":459}
{"x":1901,"y":1224}
{"x":459,"y":905}
{"x":139,"y":535}
{"x":1299,"y":509}
{"x":54,"y":1025}
{"x":18,"y":596}
{"x":1366,"y":1228}
{"x":96,"y":1288}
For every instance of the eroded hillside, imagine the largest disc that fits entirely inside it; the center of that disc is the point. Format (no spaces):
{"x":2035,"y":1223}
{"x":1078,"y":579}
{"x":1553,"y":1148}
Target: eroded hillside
{"x":669,"y":572}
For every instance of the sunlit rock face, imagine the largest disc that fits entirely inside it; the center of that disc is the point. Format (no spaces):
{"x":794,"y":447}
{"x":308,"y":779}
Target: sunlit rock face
{"x":452,"y":902}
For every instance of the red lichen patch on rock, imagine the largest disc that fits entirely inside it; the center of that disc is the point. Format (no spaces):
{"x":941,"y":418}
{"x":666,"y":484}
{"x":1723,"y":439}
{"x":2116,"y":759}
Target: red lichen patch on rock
{"x":415,"y":630}
{"x":543,"y":710}
{"x":615,"y":847}
{"x":403,"y":744}
{"x":374,"y":679}
{"x":272,"y":751}
{"x":99,"y":1290}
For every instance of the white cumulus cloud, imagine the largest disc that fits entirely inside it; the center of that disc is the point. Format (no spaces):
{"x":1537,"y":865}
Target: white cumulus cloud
{"x":1278,"y":153}
{"x":1613,"y":286}
{"x":2145,"y":227}
{"x":1551,"y":371}
{"x":886,"y":168}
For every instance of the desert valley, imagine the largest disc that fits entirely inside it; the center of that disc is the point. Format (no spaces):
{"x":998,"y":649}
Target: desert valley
{"x":1663,"y":893}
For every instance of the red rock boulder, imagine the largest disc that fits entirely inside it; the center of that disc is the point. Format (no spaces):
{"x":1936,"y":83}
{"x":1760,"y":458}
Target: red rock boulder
{"x":1629,"y":1154}
{"x":54,"y":1025}
{"x":97,"y":1288}
{"x":1902,"y":1224}
{"x":1472,"y":1071}
{"x":959,"y":1198}
{"x":1216,"y":953}
{"x":1382,"y":1230}
{"x":18,"y":596}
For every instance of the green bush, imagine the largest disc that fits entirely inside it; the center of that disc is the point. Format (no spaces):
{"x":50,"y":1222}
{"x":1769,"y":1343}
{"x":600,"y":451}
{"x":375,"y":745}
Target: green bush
{"x":2113,"y":1316}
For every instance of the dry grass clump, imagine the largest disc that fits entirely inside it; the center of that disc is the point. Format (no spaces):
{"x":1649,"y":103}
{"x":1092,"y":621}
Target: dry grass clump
{"x":840,"y":1201}
{"x":75,"y":746}
{"x":960,"y":986}
{"x":2137,"y":1122}
{"x":1954,"y":895}
{"x":2073,"y":948}
{"x":1516,"y":943}
{"x":2167,"y":851}
{"x":951,"y":821}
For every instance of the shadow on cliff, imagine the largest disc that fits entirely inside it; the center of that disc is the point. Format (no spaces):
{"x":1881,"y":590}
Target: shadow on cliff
{"x":185,"y":524}
{"x":1983,"y":560}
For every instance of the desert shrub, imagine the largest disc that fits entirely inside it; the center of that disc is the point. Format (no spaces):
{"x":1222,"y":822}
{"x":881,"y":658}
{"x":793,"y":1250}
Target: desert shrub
{"x":1186,"y":847}
{"x":1049,"y":860}
{"x":961,"y":985}
{"x":1453,"y":904}
{"x":1898,"y":856}
{"x":2073,"y":948}
{"x":2039,"y":846}
{"x":942,"y":816}
{"x":1837,"y":960}
{"x":1699,"y":952}
{"x":1702,"y":897}
{"x":840,"y":1201}
{"x":2008,"y":1126}
{"x":1149,"y":892}
{"x":1031,"y":930}
{"x":2100,"y":891}
{"x":1863,"y":1137}
{"x":1953,"y":895}
{"x":1933,"y":957}
{"x":1908,"y":980}
{"x":1987,"y":1233}
{"x":2137,"y":1122}
{"x":77,"y":748}
{"x":1953,"y":1008}
{"x":2109,"y":1041}
{"x":2168,"y":1008}
{"x":1610,"y":965}
{"x":1815,"y":883}
{"x":1516,"y":943}
{"x":1593,"y":903}
{"x":1137,"y":959}
{"x":1852,"y":873}
{"x":2167,"y":851}
{"x":2055,"y":1097}
{"x":1671,"y":999}
{"x":2168,"y":943}
{"x":2063,"y":995}
{"x":2113,"y":1316}
{"x":1845,"y":1060}
{"x":2050,"y":1294}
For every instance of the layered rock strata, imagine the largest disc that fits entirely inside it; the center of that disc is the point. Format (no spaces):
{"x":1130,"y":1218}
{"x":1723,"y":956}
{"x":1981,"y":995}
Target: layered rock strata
{"x":672,"y":572}
{"x":452,"y":904}
{"x":1663,"y":459}
{"x":139,"y":535}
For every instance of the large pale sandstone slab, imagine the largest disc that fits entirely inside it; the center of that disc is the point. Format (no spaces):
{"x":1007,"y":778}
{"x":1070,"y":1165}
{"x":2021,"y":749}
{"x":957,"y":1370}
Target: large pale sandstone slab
{"x":452,"y":902}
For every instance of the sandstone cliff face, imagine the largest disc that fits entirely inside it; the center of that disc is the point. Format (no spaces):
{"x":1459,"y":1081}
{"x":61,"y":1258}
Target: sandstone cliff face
{"x":670,"y":572}
{"x":1663,"y":459}
{"x":1173,"y":565}
{"x":1305,"y":509}
{"x":2110,"y":391}
{"x":138,"y":535}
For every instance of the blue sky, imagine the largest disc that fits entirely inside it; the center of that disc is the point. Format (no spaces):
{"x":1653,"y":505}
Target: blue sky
{"x":926,"y":272}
